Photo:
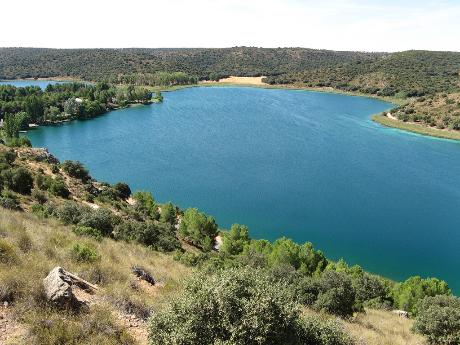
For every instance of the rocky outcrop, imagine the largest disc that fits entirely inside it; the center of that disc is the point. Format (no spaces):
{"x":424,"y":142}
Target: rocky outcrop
{"x":58,"y":289}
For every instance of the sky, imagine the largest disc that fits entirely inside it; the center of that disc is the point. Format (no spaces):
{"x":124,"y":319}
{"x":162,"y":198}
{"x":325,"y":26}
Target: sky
{"x":324,"y":24}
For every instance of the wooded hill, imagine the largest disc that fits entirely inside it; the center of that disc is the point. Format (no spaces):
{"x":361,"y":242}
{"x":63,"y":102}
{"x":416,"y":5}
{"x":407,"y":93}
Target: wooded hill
{"x":100,"y":64}
{"x":410,"y":73}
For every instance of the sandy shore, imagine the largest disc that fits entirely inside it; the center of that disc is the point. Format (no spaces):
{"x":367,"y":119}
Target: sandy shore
{"x":240,"y":80}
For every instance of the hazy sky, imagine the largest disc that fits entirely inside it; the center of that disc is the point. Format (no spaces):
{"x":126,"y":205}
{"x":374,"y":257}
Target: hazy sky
{"x":332,"y":24}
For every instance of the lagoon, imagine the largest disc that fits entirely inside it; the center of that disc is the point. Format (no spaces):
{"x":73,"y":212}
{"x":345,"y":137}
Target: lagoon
{"x":307,"y":165}
{"x":27,"y":82}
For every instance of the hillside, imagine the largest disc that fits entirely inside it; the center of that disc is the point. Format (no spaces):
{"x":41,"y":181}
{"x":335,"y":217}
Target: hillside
{"x":103,"y":64}
{"x":55,"y":214}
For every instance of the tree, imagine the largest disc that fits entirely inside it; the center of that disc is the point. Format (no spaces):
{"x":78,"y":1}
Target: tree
{"x":168,"y":213}
{"x":145,"y":203}
{"x":34,"y":107}
{"x":439,"y":319}
{"x":11,"y":126}
{"x":407,"y":294}
{"x":198,"y":228}
{"x":235,"y":240}
{"x":238,"y":306}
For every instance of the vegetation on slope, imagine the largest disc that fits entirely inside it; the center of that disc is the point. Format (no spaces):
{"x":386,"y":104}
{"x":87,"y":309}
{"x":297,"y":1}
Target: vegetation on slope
{"x":101,"y":231}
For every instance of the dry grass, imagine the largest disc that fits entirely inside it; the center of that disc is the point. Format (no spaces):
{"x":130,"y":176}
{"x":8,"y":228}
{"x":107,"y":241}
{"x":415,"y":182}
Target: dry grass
{"x":378,"y":327}
{"x":40,"y":245}
{"x":240,"y":81}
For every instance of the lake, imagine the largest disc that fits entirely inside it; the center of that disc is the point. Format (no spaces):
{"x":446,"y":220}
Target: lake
{"x":26,"y":82}
{"x":307,"y":165}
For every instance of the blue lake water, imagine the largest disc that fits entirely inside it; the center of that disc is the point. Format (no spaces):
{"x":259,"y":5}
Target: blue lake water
{"x":24,"y":82}
{"x":306,"y":165}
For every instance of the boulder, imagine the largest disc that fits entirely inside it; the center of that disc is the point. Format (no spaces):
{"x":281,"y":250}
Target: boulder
{"x":58,"y":289}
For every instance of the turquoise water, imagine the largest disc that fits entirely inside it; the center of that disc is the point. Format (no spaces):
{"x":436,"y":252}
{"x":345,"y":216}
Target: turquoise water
{"x":22,"y":83}
{"x":310,"y":166}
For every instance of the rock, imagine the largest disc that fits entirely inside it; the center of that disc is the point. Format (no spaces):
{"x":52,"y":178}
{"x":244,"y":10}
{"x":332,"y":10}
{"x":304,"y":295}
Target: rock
{"x":58,"y":289}
{"x":401,"y":313}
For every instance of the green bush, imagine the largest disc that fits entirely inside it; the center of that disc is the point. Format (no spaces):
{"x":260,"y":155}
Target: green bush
{"x":83,"y":253}
{"x":88,"y":231}
{"x":332,"y":293}
{"x":232,"y":307}
{"x":71,"y":212}
{"x":58,"y":188}
{"x":159,"y":236}
{"x":439,"y":319}
{"x":76,"y":169}
{"x":101,"y":219}
{"x":18,"y":179}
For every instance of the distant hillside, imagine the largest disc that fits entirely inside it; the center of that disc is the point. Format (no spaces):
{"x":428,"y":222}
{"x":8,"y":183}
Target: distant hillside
{"x":100,"y":64}
{"x":405,"y":74}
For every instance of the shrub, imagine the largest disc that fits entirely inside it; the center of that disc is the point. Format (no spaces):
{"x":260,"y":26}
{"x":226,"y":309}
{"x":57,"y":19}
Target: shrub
{"x":76,"y":169}
{"x":439,"y":319}
{"x":39,"y":196}
{"x":336,"y":294}
{"x":88,"y":231}
{"x":100,"y":219}
{"x":8,"y":157}
{"x":123,"y":190}
{"x":9,"y":203}
{"x":19,"y":180}
{"x":70,"y":212}
{"x":231,"y":307}
{"x":369,"y":287}
{"x":7,"y":253}
{"x":83,"y":253}
{"x":58,"y":188}
{"x":157,"y":235}
{"x":198,"y":228}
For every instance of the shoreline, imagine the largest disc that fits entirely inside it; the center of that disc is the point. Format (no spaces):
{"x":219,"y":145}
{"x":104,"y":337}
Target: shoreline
{"x":380,"y":119}
{"x":416,"y":128}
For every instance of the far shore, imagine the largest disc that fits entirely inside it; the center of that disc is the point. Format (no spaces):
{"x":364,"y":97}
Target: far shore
{"x":258,"y":83}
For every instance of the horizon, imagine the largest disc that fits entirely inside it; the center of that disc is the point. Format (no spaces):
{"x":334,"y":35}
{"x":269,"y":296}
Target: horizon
{"x":339,"y":25}
{"x":233,"y":47}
